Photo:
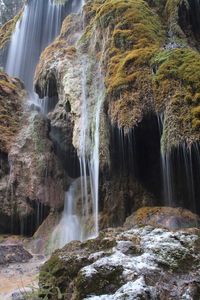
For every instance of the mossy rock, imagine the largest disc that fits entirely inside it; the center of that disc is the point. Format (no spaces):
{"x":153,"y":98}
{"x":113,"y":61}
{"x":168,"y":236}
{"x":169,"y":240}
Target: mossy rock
{"x":165,"y":217}
{"x":12,"y":96}
{"x":105,"y":280}
{"x":58,"y":273}
{"x":7,"y":29}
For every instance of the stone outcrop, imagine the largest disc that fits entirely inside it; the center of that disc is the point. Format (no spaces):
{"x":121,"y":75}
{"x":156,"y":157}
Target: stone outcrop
{"x":13,"y":254}
{"x":12,"y":95}
{"x":165,"y":217}
{"x":141,"y":54}
{"x":31,"y":177}
{"x":36,"y":180}
{"x":139,"y":263}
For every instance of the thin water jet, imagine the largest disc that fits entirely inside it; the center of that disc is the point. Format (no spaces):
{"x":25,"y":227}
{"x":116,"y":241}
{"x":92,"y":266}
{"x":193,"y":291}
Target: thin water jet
{"x":181,"y":175}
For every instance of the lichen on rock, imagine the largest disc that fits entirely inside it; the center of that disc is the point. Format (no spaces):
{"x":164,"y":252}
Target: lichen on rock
{"x":129,"y":265}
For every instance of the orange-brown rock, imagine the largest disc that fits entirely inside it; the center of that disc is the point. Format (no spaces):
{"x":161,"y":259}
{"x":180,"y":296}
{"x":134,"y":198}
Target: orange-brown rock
{"x":165,"y":217}
{"x":12,"y":97}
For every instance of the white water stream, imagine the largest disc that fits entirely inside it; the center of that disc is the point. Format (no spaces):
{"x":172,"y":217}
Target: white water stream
{"x":40,"y":24}
{"x":36,"y":29}
{"x":80,"y":216}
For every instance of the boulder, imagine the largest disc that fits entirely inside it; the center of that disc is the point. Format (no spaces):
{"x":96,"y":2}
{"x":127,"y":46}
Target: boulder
{"x":165,"y":217}
{"x":138,"y":263}
{"x":13,"y":254}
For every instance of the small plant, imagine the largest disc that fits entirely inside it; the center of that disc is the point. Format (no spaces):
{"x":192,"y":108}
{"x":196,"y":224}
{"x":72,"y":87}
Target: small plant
{"x":36,"y":293}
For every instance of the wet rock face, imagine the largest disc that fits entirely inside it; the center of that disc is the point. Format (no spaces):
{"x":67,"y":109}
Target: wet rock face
{"x":120,"y":196}
{"x":36,"y":179}
{"x":134,"y":60}
{"x":59,"y":64}
{"x":69,"y":62}
{"x":9,"y":9}
{"x":31,"y":178}
{"x":12,"y":95}
{"x":5,"y":35}
{"x":141,"y":263}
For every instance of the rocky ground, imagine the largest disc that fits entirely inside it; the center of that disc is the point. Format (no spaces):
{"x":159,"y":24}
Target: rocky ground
{"x":132,"y":262}
{"x":18,"y":269}
{"x":154,"y":256}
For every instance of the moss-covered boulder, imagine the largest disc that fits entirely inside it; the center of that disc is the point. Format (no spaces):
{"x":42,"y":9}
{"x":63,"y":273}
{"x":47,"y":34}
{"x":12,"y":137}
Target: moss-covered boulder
{"x":125,"y":263}
{"x":165,"y":217}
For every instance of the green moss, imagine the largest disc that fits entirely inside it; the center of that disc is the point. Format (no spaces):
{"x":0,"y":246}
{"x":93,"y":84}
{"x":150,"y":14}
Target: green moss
{"x":181,"y":65}
{"x":7,"y":29}
{"x":196,"y":124}
{"x":197,"y":98}
{"x":11,"y":106}
{"x":177,"y":78}
{"x":137,"y":34}
{"x":107,"y":280}
{"x":51,"y":283}
{"x":196,"y":112}
{"x":172,"y":16}
{"x":188,"y":99}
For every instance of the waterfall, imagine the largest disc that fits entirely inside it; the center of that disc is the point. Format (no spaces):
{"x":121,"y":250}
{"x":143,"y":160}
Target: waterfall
{"x":168,"y":187}
{"x":80,"y":216}
{"x":179,"y":177}
{"x":69,"y":228}
{"x":89,"y":152}
{"x":168,"y":193}
{"x":40,"y":24}
{"x":180,"y":174}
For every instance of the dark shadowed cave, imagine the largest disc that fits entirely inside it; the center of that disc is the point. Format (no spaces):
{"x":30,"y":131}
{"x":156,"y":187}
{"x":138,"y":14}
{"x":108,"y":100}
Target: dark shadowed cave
{"x":189,"y":20}
{"x":137,"y":153}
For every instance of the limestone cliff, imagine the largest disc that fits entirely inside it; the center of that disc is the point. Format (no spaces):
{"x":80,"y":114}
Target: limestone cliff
{"x":31,"y":177}
{"x":121,"y":91}
{"x":146,"y":53}
{"x":141,"y":59}
{"x":12,"y":96}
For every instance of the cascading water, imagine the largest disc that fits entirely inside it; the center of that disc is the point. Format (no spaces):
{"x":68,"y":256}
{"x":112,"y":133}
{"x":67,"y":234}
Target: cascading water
{"x":89,"y":152}
{"x":69,"y":228}
{"x":124,"y":150}
{"x":40,"y":24}
{"x":80,"y":219}
{"x":180,"y":174}
{"x":167,"y":169}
